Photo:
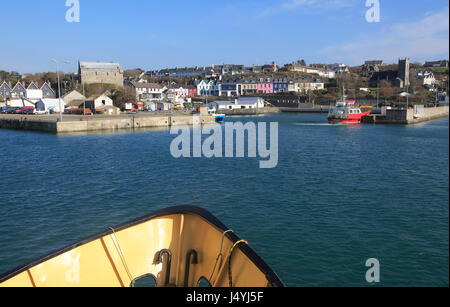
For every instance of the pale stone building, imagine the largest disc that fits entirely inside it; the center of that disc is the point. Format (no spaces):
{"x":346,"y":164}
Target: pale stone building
{"x":306,"y":85}
{"x":97,"y":72}
{"x":403,"y":72}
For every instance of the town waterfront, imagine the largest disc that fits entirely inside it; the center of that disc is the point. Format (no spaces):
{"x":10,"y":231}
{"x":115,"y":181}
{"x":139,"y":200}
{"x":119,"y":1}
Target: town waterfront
{"x":339,"y":196}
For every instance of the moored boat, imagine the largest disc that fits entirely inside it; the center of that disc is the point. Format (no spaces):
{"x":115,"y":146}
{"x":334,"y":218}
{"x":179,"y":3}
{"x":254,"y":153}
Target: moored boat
{"x":346,"y":112}
{"x":218,"y":117}
{"x":180,"y":246}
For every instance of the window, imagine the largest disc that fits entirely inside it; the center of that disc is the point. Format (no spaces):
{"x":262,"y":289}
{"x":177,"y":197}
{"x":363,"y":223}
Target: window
{"x":146,"y":281}
{"x":203,"y":283}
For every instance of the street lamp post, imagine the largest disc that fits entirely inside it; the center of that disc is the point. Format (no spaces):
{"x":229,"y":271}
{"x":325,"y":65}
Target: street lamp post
{"x":407,"y":98}
{"x":59,"y":89}
{"x":84,"y":101}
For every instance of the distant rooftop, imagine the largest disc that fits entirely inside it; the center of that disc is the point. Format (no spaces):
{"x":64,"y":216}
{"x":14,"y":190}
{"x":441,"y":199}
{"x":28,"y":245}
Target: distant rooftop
{"x":100,"y":66}
{"x":146,"y":85}
{"x":240,"y":101}
{"x":374,"y":62}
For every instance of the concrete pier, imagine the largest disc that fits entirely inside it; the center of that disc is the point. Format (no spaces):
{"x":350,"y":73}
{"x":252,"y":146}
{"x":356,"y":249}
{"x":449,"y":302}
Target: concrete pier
{"x":407,"y":117}
{"x":323,"y":109}
{"x":73,"y":123}
{"x":245,"y":112}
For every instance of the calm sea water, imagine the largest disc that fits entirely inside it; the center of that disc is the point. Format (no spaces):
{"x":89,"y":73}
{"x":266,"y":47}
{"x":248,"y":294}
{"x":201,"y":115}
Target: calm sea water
{"x":339,"y":196}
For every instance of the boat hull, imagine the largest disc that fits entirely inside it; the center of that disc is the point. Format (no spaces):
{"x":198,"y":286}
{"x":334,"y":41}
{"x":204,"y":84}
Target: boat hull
{"x":351,"y":119}
{"x":177,"y":246}
{"x":219,"y":118}
{"x":344,"y":121}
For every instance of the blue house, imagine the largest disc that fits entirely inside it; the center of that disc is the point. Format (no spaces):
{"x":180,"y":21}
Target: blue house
{"x":280,"y":85}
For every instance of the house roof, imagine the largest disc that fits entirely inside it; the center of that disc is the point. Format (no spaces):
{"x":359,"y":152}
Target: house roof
{"x":73,"y":92}
{"x":373,"y":62}
{"x":51,"y":100}
{"x":18,"y":84}
{"x":146,"y":85}
{"x":100,"y":66}
{"x":32,"y":86}
{"x":240,"y":101}
{"x":248,"y":100}
{"x":94,"y":97}
{"x":5,"y":84}
{"x":175,"y":86}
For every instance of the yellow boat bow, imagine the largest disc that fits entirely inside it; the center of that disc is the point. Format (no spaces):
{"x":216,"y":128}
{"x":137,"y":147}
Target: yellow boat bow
{"x":180,"y":246}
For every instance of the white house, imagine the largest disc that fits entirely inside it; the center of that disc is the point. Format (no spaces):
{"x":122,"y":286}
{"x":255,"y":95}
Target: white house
{"x":177,"y":91}
{"x":427,"y":77}
{"x":305,"y":85}
{"x":148,"y":91}
{"x":33,"y":94}
{"x":240,"y":103}
{"x":98,"y":101}
{"x":326,"y":73}
{"x":339,"y":68}
{"x":27,"y":98}
{"x":207,"y":88}
{"x":330,"y":74}
{"x":50,"y":104}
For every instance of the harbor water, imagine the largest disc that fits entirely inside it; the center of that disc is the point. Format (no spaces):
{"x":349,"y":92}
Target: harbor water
{"x":339,"y":196}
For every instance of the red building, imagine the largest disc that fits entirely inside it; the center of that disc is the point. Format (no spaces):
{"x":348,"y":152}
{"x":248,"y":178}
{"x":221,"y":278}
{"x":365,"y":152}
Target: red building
{"x":191,"y":90}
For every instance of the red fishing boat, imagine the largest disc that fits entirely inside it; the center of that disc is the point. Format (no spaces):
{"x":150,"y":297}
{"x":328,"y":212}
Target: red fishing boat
{"x":346,"y":112}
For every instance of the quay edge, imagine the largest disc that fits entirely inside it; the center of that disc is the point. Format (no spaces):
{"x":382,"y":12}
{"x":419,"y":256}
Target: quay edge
{"x":34,"y":123}
{"x":407,"y":117}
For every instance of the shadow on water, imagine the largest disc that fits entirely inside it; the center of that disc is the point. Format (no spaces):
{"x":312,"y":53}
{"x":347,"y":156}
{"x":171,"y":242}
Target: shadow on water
{"x":113,"y":132}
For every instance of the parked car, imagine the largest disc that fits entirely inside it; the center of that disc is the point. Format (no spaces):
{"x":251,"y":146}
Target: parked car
{"x":25,"y":110}
{"x":3,"y":109}
{"x":79,"y":111}
{"x":12,"y":110}
{"x":69,"y":109}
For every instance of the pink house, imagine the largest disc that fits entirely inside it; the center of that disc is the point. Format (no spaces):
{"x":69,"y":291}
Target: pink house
{"x":265,"y":86}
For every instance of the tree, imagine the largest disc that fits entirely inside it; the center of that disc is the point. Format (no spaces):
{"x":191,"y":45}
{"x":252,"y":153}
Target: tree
{"x":120,"y":98}
{"x":133,"y":73}
{"x":11,"y":77}
{"x":386,"y":92}
{"x":97,"y":88}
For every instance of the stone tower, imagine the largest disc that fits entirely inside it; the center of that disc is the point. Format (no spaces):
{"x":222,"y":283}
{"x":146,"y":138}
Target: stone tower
{"x":403,"y":71}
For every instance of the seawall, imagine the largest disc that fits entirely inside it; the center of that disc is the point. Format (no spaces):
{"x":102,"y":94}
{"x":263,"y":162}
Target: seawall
{"x":407,"y":117}
{"x":256,"y":111}
{"x":86,"y":124}
{"x":311,"y":109}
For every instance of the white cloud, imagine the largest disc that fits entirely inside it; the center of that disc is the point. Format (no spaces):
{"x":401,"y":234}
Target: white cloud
{"x":424,"y":39}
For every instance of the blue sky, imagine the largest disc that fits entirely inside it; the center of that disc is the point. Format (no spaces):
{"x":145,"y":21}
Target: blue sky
{"x":155,"y":34}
